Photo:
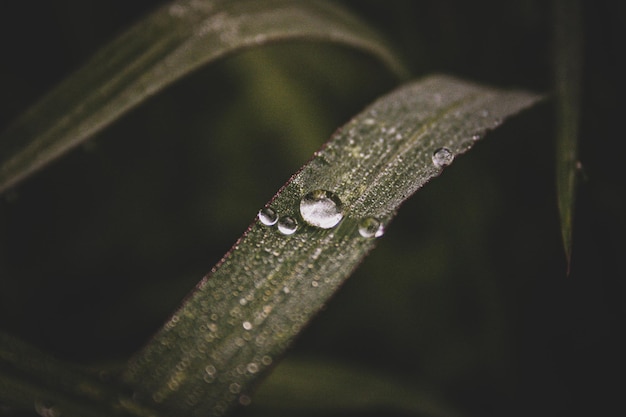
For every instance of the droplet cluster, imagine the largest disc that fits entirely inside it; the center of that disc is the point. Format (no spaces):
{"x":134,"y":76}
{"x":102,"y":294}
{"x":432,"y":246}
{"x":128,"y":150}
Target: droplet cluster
{"x":322,"y":209}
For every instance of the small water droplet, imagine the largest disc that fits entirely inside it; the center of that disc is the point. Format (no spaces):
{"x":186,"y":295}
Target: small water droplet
{"x":287,"y":225}
{"x":234,"y":388}
{"x":247,"y":325}
{"x":245,"y":400}
{"x":268,"y":216}
{"x":321,"y":208}
{"x":253,"y":368}
{"x":46,"y":409}
{"x":443,"y":157}
{"x":210,"y":370}
{"x":371,"y":227}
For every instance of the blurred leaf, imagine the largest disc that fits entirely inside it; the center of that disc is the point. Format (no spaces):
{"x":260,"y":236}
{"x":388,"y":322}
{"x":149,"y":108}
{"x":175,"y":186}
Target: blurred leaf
{"x":160,"y":49}
{"x":32,"y":380}
{"x":568,"y":74}
{"x":300,"y":386}
{"x":246,"y":312}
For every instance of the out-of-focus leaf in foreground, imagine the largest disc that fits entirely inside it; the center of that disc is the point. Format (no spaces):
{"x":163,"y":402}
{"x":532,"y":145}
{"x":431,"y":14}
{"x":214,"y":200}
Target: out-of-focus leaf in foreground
{"x":32,"y":380}
{"x":246,"y":312}
{"x":160,"y":49}
{"x":568,"y":78}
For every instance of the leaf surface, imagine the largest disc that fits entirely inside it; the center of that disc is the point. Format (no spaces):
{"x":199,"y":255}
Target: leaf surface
{"x":245,"y":313}
{"x":568,"y":74}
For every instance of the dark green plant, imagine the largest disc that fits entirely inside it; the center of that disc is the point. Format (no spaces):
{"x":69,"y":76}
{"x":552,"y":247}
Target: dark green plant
{"x":112,"y":236}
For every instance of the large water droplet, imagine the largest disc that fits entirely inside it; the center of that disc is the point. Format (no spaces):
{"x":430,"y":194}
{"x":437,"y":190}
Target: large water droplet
{"x":371,"y":227}
{"x":287,"y":225}
{"x":268,"y":216}
{"x":443,"y":157}
{"x":321,"y":208}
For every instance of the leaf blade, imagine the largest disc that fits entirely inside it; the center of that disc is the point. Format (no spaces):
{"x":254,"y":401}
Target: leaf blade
{"x":245,"y":313}
{"x":568,"y":78}
{"x":168,"y":44}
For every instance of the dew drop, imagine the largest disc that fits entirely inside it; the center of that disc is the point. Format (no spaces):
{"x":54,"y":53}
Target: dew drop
{"x":371,"y":227}
{"x":210,"y":370}
{"x":268,"y":216}
{"x":247,"y":325}
{"x":253,"y":368}
{"x":443,"y":157}
{"x":287,"y":225}
{"x":45,"y":409}
{"x":321,"y":208}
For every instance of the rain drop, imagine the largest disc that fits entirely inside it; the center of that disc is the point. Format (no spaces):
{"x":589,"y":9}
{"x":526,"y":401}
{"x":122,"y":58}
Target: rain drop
{"x":321,"y":208}
{"x":442,"y":157}
{"x":287,"y":225}
{"x":268,"y":216}
{"x":371,"y":227}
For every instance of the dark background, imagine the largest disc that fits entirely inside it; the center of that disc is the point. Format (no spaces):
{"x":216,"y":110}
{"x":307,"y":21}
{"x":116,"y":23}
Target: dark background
{"x":466,"y":294}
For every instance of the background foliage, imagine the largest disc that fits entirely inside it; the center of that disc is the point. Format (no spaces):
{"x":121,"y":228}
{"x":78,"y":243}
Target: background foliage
{"x":465,"y":296}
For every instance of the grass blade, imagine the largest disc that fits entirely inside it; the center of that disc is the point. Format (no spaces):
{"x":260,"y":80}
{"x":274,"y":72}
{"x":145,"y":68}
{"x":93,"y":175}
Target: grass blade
{"x":162,"y":48}
{"x":31,"y":380}
{"x":568,"y":78}
{"x":246,"y":312}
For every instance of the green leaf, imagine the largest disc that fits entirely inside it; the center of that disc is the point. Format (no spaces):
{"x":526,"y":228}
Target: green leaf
{"x":568,"y":74}
{"x":160,"y":49}
{"x":304,"y":386}
{"x":32,"y":380}
{"x":246,"y":312}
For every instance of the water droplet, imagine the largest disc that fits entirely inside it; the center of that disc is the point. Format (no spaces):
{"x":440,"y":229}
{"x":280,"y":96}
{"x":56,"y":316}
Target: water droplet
{"x":268,"y":216}
{"x":46,"y":409}
{"x":210,"y":370}
{"x":253,"y":368}
{"x":443,"y":157}
{"x":245,"y":400}
{"x":247,"y":325}
{"x":371,"y":227}
{"x":321,"y":208}
{"x":234,"y":388}
{"x":287,"y":225}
